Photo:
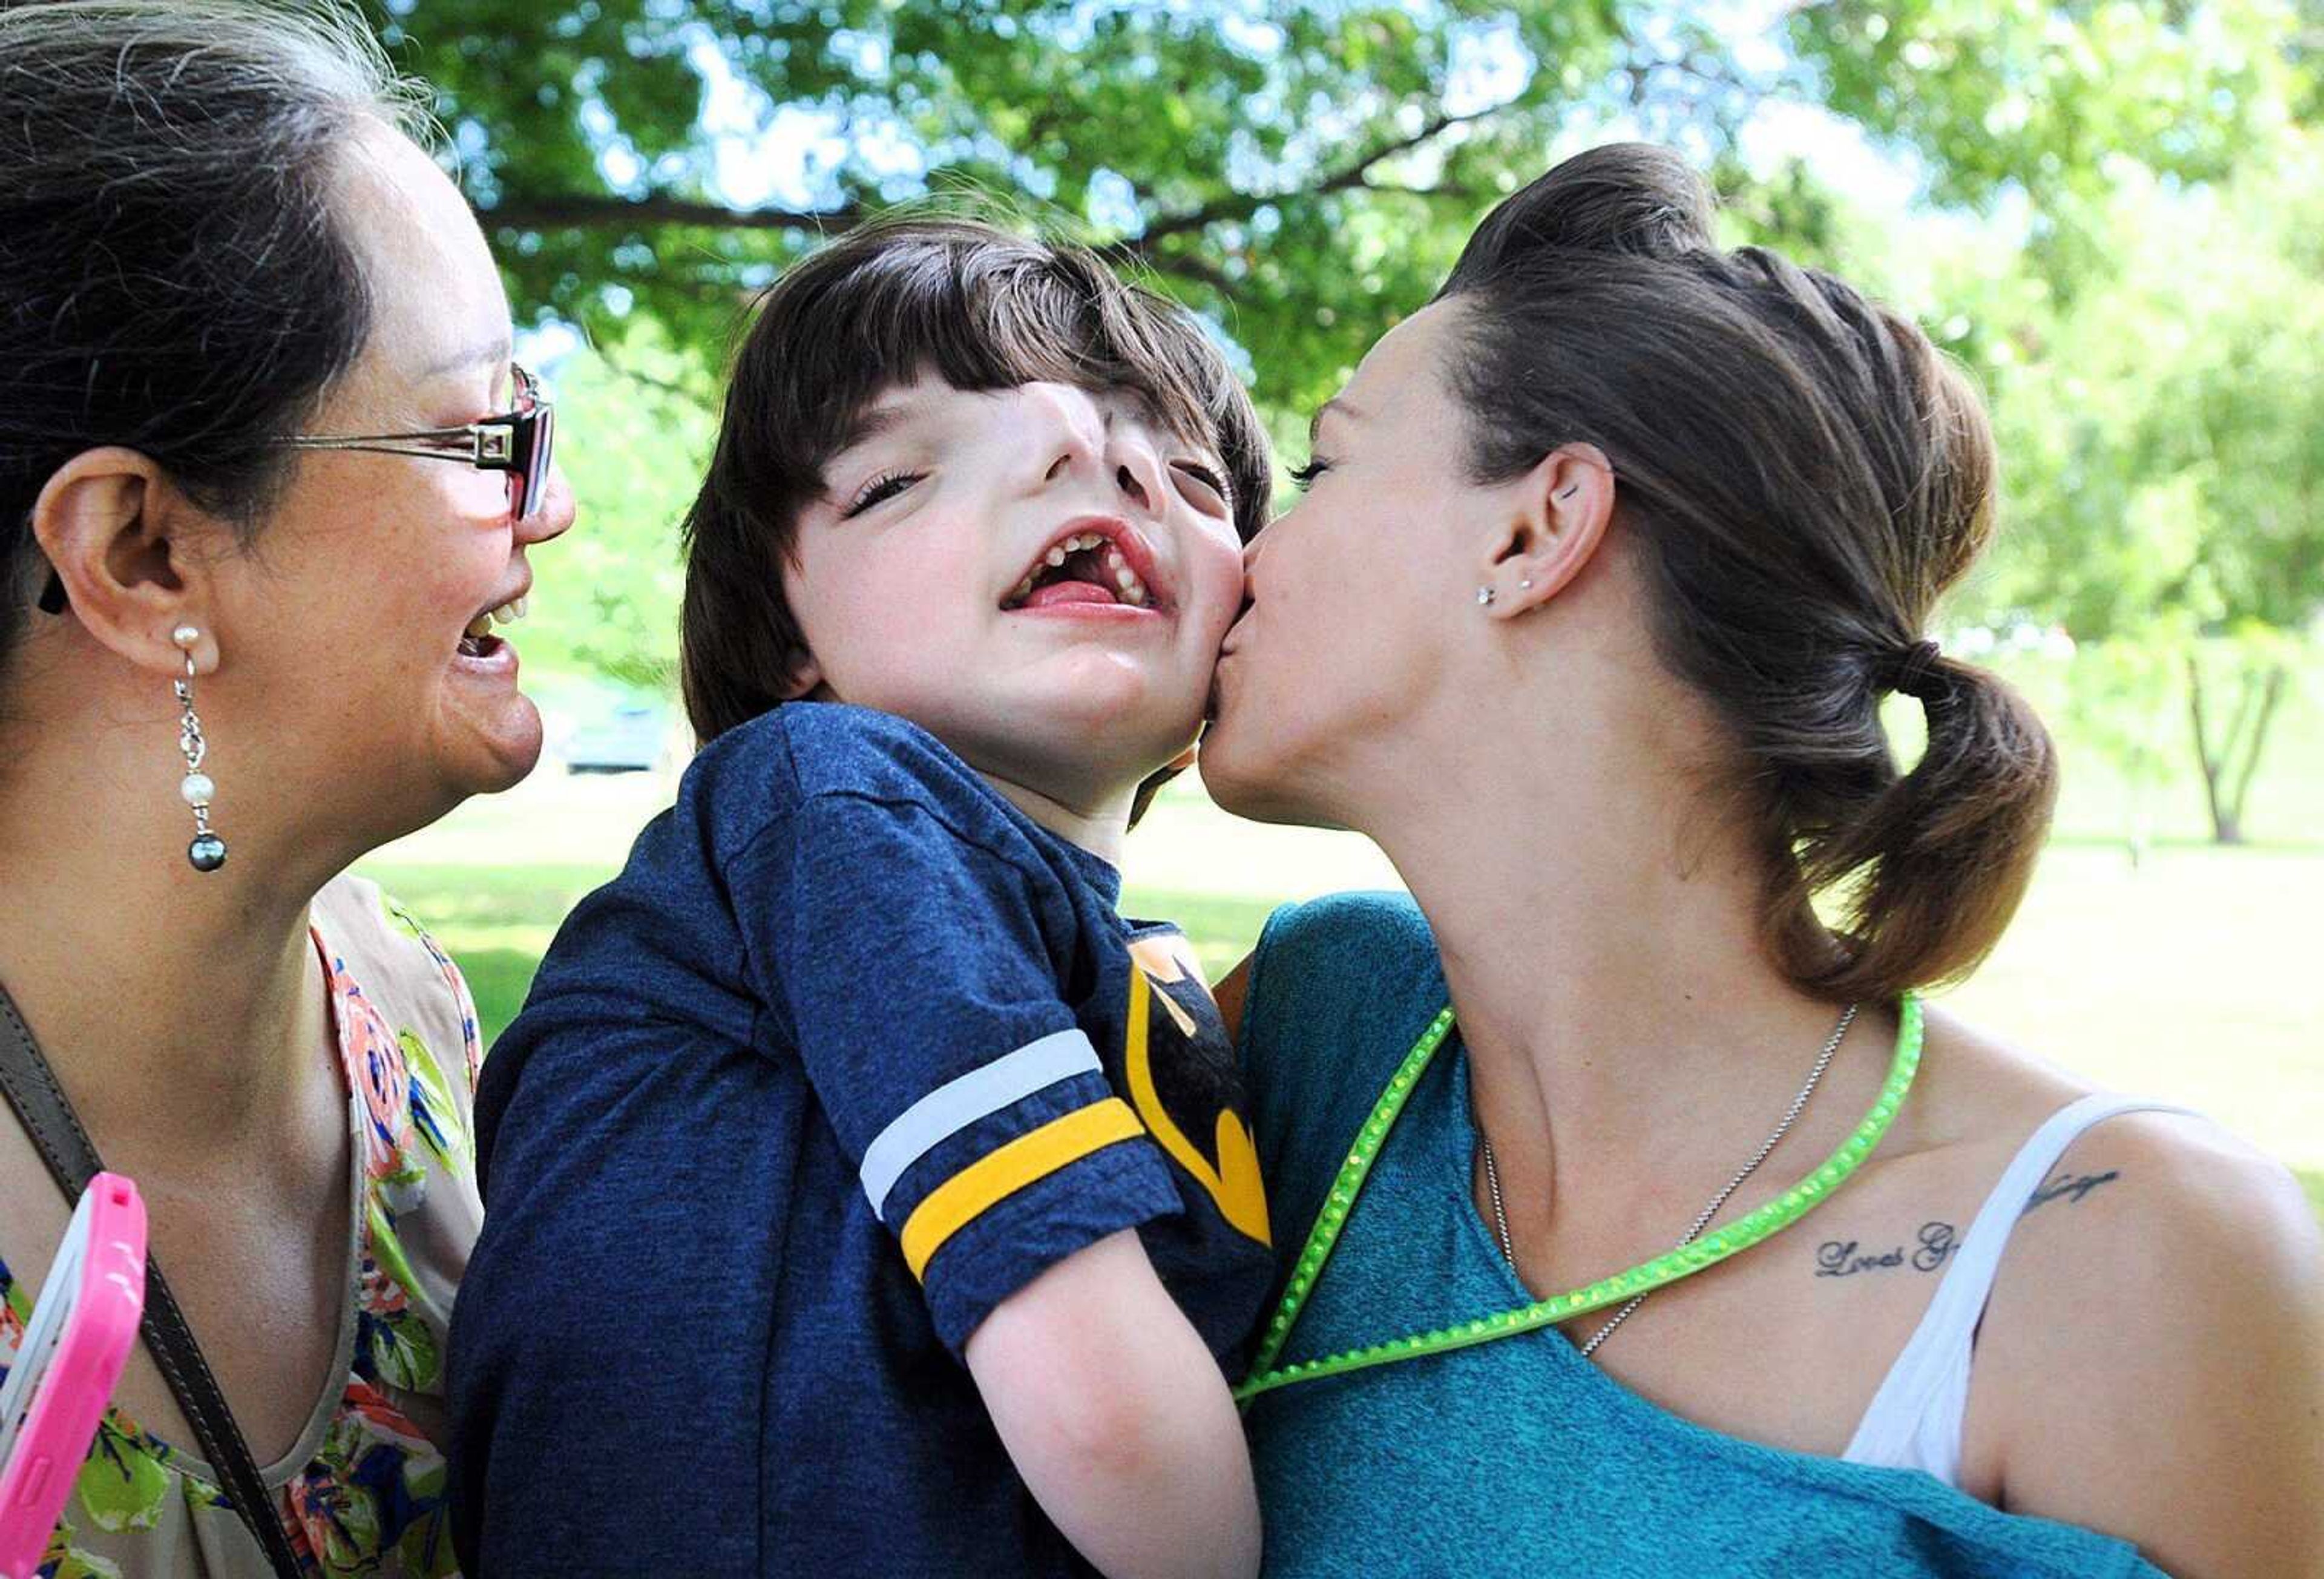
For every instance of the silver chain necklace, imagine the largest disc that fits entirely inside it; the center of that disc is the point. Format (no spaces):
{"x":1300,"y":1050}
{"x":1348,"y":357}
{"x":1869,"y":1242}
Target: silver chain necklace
{"x":1791,"y":1116}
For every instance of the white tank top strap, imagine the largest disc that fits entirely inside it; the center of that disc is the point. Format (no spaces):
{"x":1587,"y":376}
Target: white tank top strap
{"x":1914,"y":1420}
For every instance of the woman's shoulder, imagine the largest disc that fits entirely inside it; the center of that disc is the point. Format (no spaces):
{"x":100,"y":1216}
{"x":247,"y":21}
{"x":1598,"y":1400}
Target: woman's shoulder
{"x":2158,"y":1313}
{"x":1349,"y":964}
{"x":1344,"y":949}
{"x":376,"y":947}
{"x":1339,"y":988}
{"x":2154,"y":1190}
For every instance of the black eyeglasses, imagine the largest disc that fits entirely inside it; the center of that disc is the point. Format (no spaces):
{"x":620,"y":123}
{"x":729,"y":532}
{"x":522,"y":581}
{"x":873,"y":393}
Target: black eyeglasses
{"x":518,"y":442}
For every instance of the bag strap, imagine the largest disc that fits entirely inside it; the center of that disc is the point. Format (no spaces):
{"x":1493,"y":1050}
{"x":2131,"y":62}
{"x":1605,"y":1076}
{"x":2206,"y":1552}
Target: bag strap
{"x":31,"y":1089}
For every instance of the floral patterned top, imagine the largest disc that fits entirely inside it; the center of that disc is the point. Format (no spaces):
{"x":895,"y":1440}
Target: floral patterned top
{"x":362,"y":1490}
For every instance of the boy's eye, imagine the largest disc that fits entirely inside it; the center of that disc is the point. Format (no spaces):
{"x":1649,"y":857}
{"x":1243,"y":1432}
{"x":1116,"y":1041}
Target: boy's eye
{"x":1212,"y":485}
{"x":1304,"y":477}
{"x":884,"y":487}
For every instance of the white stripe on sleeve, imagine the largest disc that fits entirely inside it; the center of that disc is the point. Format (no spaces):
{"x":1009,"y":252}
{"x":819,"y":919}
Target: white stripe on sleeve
{"x":954,"y":1105}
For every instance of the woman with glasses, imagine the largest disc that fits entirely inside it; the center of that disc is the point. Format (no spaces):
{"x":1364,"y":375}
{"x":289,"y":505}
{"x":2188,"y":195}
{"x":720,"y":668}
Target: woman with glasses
{"x":268,"y":481}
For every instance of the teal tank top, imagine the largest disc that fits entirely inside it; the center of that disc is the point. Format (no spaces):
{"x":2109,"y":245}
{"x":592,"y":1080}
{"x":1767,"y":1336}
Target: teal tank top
{"x":1517,"y":1457}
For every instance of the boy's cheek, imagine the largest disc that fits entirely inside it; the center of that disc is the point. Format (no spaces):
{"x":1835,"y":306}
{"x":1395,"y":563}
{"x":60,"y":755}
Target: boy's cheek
{"x":1220,"y":581}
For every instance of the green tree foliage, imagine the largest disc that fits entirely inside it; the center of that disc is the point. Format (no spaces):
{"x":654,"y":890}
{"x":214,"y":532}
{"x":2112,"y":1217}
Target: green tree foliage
{"x":1303,"y":173}
{"x":636,"y":437}
{"x":2163,"y":431}
{"x":1273,"y":164}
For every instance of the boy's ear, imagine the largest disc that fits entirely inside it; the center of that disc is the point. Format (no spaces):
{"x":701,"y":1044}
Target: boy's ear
{"x":806,"y":677}
{"x":1564,"y":507}
{"x":106,"y":522}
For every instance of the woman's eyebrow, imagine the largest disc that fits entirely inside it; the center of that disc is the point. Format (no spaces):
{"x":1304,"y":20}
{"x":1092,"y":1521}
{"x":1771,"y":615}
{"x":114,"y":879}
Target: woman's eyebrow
{"x":1315,"y":423}
{"x":484,"y":352}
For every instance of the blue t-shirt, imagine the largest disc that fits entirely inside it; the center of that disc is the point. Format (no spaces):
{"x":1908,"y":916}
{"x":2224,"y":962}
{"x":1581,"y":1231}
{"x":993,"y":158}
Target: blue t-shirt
{"x":1517,"y":1457}
{"x":850,"y":1051}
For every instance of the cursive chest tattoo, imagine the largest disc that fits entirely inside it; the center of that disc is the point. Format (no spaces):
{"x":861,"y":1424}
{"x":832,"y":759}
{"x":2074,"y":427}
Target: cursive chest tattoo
{"x":1846,"y":1258}
{"x":1934,"y":1244}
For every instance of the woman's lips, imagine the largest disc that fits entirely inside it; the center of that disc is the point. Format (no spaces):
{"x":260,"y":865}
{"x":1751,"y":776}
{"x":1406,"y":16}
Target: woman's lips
{"x":492,"y":657}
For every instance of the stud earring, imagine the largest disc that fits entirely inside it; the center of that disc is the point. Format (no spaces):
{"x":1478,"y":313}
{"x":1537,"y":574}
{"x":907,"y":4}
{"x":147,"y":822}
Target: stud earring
{"x":1525,"y":585}
{"x":1485,"y":595}
{"x":208,"y":851}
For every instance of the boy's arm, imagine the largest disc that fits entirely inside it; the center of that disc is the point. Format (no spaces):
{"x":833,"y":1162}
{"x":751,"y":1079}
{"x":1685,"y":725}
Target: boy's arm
{"x":1118,"y":1418}
{"x":917,"y":968}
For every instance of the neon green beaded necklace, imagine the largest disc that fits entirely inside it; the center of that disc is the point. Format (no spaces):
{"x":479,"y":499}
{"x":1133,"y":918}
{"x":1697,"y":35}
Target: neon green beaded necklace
{"x":1773,"y":1217}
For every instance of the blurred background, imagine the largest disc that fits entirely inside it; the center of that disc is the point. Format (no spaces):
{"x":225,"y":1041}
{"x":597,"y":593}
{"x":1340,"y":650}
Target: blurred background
{"x":2113,"y":213}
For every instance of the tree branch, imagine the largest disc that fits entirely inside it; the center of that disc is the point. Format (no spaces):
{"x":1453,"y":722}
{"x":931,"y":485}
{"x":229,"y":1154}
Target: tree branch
{"x":601,"y":212}
{"x":1243,"y":205}
{"x":604,"y":211}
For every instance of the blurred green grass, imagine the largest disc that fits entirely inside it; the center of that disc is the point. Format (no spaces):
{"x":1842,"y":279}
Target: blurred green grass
{"x":2062,"y":984}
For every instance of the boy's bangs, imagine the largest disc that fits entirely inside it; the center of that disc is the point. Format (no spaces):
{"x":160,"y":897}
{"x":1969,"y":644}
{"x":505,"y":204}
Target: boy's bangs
{"x":992,"y":322}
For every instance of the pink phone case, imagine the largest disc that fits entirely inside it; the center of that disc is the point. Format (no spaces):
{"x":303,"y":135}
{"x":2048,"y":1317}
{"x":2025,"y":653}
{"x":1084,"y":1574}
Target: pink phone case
{"x":80,"y":1337}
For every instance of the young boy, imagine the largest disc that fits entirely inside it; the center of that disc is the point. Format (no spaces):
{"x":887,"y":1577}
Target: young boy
{"x":865,"y":1195}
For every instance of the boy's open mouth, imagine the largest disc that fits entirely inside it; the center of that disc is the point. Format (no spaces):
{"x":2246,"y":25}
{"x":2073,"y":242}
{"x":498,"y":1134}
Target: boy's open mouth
{"x":1081,"y":568}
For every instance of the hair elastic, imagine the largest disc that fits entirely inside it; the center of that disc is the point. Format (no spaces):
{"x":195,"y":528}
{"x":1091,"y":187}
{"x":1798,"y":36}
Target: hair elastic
{"x":1912,"y":671}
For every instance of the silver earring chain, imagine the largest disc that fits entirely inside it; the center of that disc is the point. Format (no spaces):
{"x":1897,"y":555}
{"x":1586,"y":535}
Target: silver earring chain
{"x":1695,"y":1231}
{"x":190,"y":743}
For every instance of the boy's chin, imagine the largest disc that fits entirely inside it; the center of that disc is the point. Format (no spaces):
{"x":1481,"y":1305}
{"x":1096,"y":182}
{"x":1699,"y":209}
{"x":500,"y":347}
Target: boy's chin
{"x":1084,"y":759}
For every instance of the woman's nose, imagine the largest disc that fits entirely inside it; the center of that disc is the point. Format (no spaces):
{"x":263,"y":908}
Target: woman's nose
{"x":557,"y":511}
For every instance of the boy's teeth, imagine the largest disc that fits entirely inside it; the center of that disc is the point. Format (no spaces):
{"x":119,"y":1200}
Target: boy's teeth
{"x":1133,"y":592}
{"x":1057,"y":556}
{"x":480,"y":627}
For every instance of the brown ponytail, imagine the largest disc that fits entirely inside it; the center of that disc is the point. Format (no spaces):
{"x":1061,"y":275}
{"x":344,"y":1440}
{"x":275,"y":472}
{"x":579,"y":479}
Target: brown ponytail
{"x":1801,"y":474}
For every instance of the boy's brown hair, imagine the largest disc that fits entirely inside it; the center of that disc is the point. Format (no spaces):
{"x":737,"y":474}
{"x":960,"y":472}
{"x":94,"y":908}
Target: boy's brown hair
{"x":888,"y":303}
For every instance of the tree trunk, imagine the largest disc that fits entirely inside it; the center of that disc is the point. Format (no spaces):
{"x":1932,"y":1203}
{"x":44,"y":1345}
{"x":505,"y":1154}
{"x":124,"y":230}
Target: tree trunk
{"x":2224,"y":828}
{"x":2229,"y":769}
{"x":2270,"y":692}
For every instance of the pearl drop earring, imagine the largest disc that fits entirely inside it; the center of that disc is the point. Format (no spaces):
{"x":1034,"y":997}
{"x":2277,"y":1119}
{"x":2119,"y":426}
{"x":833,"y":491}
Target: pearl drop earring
{"x":208,"y":851}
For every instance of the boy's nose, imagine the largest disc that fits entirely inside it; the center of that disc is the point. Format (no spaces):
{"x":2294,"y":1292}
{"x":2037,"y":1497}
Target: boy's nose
{"x":1071,"y":420}
{"x":1089,"y":438}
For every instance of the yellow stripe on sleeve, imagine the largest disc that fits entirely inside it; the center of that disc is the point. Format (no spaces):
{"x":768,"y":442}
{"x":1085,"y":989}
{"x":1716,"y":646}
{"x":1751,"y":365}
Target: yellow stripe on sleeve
{"x":957,"y":1202}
